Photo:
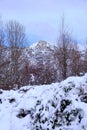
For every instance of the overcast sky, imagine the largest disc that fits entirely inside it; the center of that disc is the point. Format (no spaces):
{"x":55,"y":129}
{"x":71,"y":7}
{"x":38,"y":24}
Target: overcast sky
{"x":42,"y":17}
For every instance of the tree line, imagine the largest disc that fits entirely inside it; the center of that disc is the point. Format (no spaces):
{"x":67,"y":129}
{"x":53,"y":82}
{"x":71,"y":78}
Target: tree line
{"x":15,"y":71}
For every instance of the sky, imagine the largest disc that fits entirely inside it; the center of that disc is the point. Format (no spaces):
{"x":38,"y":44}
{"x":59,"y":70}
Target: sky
{"x":42,"y":18}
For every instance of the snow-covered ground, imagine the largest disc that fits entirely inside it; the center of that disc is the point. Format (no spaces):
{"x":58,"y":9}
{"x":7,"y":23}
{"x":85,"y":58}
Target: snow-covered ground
{"x":59,"y":106}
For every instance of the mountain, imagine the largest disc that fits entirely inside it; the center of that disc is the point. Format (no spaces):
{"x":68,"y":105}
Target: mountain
{"x":41,"y":63}
{"x":40,"y":50}
{"x":59,"y":106}
{"x":34,"y":61}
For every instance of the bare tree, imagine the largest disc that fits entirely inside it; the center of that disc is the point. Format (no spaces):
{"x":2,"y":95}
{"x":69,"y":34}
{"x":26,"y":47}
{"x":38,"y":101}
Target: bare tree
{"x":16,"y":40}
{"x":85,"y":58}
{"x":3,"y":60}
{"x":75,"y":62}
{"x":64,"y":47}
{"x":2,"y":40}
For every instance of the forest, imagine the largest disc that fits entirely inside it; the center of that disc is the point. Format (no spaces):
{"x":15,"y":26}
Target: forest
{"x":44,"y":64}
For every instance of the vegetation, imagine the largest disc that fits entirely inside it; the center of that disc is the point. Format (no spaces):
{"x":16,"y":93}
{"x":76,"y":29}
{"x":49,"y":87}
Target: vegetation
{"x":62,"y":61}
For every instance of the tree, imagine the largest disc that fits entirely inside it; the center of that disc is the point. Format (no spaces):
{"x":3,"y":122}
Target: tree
{"x":75,"y":62}
{"x":64,"y":47}
{"x":2,"y":40}
{"x":16,"y":39}
{"x":85,"y":58}
{"x":3,"y":63}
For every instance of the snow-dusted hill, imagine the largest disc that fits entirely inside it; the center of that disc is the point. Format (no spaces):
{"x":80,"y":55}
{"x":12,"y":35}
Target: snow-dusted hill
{"x":38,"y":52}
{"x":59,"y":106}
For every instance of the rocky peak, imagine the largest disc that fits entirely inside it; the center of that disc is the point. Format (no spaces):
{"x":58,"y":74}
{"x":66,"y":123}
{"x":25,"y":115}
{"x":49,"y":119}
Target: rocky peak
{"x":40,"y":45}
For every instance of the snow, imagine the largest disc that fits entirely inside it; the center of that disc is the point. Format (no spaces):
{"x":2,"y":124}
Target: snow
{"x":40,"y":43}
{"x":40,"y":51}
{"x":59,"y":106}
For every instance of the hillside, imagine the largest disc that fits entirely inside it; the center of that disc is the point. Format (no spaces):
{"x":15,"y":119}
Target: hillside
{"x":38,"y":52}
{"x":59,"y":106}
{"x":40,"y":63}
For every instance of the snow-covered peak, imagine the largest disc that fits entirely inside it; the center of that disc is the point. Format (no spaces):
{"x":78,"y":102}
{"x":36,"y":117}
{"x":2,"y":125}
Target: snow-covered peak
{"x":41,"y":45}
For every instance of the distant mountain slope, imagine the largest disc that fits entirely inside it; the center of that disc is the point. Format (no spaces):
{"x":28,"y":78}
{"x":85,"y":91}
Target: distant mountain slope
{"x":39,"y":51}
{"x":59,"y":106}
